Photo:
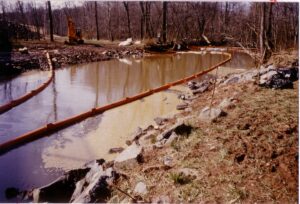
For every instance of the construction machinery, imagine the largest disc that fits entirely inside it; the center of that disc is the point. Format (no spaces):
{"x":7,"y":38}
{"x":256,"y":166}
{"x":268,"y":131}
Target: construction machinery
{"x":74,"y":34}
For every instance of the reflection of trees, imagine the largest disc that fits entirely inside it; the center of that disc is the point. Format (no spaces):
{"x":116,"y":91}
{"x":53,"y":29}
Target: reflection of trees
{"x":118,"y":80}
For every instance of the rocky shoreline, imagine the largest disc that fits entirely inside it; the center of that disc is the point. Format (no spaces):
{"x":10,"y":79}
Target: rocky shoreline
{"x":156,"y":155}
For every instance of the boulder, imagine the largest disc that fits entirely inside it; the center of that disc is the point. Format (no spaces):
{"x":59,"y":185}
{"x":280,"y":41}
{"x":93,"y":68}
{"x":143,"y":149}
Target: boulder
{"x":94,"y":187}
{"x":280,"y":79}
{"x":131,"y":156}
{"x":60,"y":190}
{"x":210,"y":114}
{"x":140,"y":189}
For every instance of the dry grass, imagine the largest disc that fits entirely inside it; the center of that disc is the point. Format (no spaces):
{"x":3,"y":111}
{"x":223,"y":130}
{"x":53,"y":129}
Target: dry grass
{"x":251,"y":155}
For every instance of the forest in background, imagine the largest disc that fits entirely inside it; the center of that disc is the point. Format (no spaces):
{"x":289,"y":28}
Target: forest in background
{"x":247,"y":23}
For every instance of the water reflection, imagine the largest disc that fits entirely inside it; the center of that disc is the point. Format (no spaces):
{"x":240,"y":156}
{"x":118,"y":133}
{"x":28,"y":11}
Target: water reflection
{"x":13,"y":88}
{"x":83,"y":87}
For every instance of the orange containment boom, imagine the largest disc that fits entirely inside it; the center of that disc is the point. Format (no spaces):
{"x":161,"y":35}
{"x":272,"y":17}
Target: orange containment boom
{"x":22,"y":99}
{"x":52,"y":127}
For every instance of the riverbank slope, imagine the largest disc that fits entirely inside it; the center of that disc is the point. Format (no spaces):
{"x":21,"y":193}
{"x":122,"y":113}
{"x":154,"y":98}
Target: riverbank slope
{"x":240,"y":146}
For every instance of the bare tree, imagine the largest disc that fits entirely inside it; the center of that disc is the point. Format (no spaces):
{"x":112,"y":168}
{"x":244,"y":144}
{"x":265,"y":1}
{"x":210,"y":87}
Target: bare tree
{"x":164,"y":30}
{"x":96,"y":17}
{"x":262,"y":32}
{"x":50,"y":21}
{"x":126,"y":6}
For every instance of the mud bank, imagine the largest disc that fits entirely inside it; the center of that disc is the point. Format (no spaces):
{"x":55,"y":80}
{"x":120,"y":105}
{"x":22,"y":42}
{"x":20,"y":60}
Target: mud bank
{"x":31,"y":55}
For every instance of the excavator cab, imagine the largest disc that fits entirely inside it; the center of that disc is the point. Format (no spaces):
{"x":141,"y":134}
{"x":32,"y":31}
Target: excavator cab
{"x":74,"y":34}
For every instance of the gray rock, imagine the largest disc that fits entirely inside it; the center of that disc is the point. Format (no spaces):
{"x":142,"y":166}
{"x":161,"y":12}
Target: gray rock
{"x":182,"y":106}
{"x":208,"y":115}
{"x":94,"y":186}
{"x":62,"y":188}
{"x":140,"y":189}
{"x":129,"y":157}
{"x":85,"y":185}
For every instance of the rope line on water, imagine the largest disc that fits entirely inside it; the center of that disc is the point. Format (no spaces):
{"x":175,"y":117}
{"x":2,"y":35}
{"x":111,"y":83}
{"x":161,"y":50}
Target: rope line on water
{"x":55,"y":126}
{"x":6,"y":107}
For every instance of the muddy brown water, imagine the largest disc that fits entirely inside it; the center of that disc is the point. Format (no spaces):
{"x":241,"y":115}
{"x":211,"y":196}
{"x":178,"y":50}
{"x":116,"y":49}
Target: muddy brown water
{"x":79,"y":88}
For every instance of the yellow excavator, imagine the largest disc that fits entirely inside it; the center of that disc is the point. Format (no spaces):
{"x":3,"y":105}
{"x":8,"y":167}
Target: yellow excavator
{"x":74,"y":34}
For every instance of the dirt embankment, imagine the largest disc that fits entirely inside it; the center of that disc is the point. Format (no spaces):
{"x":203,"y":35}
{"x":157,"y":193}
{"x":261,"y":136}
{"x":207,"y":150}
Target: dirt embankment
{"x":33,"y":55}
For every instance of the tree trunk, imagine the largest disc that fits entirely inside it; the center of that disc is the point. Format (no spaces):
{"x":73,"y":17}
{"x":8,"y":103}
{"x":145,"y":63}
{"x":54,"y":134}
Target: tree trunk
{"x":226,"y":17}
{"x":148,"y":32}
{"x":143,"y":18}
{"x":51,"y":21}
{"x":262,"y":31}
{"x":164,"y":30}
{"x":269,"y":37}
{"x":128,"y":18}
{"x":96,"y":18}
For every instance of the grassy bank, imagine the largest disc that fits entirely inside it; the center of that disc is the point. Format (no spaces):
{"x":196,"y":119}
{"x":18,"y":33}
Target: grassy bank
{"x":249,"y":155}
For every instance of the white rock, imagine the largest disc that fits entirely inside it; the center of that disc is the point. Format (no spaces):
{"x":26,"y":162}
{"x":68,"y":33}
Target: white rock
{"x":23,"y":50}
{"x":129,"y":156}
{"x":126,"y":42}
{"x":140,"y":189}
